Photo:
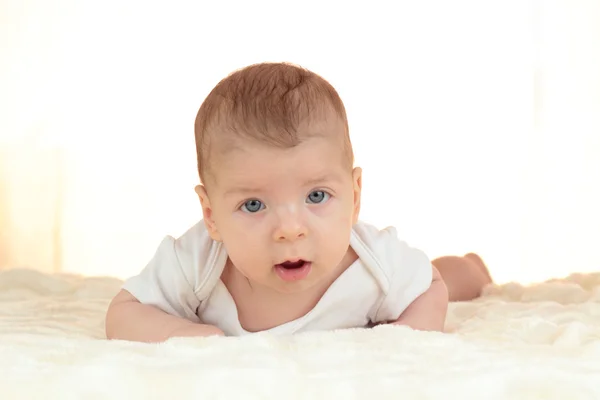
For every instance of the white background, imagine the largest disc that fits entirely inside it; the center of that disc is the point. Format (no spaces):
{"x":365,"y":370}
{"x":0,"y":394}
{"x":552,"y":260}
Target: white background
{"x":476,"y":122}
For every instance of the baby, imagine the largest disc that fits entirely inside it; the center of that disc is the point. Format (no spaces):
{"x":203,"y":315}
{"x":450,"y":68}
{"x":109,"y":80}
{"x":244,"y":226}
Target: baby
{"x":281,"y":248}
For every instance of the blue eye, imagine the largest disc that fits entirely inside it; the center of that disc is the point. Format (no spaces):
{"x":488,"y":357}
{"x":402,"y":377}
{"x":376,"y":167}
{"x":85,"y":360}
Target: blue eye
{"x":317,"y":197}
{"x":252,"y":206}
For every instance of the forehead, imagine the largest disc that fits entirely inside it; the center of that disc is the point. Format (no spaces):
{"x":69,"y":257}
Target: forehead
{"x":315,"y":146}
{"x":253,"y":163}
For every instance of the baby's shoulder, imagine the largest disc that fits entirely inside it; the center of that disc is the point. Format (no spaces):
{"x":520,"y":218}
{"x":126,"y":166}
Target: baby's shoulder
{"x":375,"y":239}
{"x":385,"y":249}
{"x":196,"y":240}
{"x":199,"y":256}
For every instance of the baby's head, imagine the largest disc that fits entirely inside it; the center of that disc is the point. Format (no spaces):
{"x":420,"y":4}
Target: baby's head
{"x":276,"y":165}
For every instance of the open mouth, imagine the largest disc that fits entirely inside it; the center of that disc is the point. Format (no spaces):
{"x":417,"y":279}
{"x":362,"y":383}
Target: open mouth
{"x":293,"y":270}
{"x":293,"y":264}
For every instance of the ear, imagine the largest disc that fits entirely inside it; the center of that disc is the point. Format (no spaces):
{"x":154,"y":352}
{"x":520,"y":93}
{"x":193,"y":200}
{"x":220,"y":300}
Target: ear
{"x":207,"y":212}
{"x":357,"y":188}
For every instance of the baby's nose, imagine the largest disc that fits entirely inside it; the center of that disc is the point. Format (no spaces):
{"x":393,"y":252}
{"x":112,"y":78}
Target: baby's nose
{"x":290,"y":227}
{"x":289,"y":234}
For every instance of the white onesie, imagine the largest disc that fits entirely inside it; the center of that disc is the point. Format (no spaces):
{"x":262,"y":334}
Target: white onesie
{"x":183,"y":279}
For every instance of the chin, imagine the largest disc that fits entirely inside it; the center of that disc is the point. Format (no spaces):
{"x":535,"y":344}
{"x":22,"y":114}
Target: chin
{"x":296,"y":287}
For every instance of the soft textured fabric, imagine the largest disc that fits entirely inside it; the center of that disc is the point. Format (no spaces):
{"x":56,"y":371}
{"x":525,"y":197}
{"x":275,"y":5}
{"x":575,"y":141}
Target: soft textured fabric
{"x":536,"y":342}
{"x":183,"y":279}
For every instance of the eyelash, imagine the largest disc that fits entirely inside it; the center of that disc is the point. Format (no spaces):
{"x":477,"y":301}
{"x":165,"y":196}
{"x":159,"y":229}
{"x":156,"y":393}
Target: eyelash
{"x":326,"y":193}
{"x":251,"y":212}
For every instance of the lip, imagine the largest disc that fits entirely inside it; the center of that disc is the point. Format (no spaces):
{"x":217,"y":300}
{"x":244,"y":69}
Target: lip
{"x":293,"y":274}
{"x":292,"y":260}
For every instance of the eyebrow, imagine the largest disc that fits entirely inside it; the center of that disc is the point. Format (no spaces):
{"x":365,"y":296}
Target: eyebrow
{"x":240,"y":190}
{"x":323,"y":178}
{"x":311,"y":182}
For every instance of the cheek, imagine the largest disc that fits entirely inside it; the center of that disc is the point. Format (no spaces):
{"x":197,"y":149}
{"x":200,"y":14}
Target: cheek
{"x":243,"y":254}
{"x":242,"y":238}
{"x":337,"y":213}
{"x":334,"y":225}
{"x":232,"y":224}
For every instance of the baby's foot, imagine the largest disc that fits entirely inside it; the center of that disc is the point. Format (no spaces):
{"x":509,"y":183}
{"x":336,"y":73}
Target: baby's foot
{"x":477,"y":260}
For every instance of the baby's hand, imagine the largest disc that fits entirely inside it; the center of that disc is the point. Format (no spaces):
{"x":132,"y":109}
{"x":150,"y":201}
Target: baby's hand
{"x":196,"y":330}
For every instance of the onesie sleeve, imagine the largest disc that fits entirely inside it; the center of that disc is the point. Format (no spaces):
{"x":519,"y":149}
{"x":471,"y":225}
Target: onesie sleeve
{"x":164,"y":284}
{"x":408,"y":271}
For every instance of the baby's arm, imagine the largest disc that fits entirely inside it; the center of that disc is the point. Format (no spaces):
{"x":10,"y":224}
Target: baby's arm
{"x":128,"y":319}
{"x":428,"y":311}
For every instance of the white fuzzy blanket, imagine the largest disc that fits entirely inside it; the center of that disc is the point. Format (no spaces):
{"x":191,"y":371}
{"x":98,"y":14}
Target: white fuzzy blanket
{"x":535,"y":342}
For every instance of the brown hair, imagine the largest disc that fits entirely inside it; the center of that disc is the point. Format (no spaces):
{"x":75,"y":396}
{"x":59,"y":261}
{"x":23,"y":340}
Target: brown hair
{"x":266,"y":102}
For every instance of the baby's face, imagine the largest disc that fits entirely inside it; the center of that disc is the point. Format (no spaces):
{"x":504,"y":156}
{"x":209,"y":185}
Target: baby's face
{"x":284,"y":215}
